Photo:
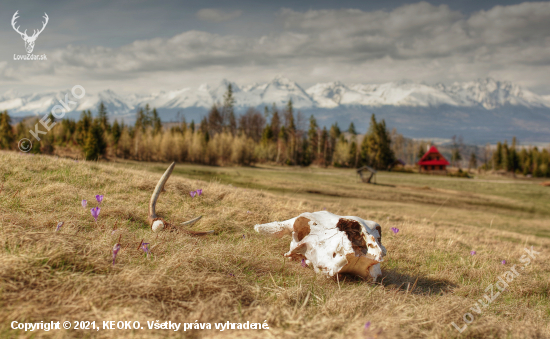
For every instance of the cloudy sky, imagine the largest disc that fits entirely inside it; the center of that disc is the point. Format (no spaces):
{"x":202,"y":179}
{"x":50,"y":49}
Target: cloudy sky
{"x":143,"y":46}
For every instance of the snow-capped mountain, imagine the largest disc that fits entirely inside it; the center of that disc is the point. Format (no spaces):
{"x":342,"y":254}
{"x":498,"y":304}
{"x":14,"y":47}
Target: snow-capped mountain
{"x":482,"y":110}
{"x":486,"y":93}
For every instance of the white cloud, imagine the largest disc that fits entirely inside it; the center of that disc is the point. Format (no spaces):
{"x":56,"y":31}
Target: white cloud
{"x":420,"y":41}
{"x":217,"y":15}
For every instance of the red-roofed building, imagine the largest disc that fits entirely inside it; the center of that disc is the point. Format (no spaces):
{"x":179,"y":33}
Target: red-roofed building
{"x":433,"y":161}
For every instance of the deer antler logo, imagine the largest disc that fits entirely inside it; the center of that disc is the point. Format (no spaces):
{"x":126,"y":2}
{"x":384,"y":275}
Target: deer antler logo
{"x":29,"y":40}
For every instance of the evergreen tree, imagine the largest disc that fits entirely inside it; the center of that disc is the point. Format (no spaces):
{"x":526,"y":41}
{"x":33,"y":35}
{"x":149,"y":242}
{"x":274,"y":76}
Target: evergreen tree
{"x":141,"y":120}
{"x":497,"y":157}
{"x":215,"y":120}
{"x":6,"y":131}
{"x":313,"y":140}
{"x":116,"y":132}
{"x":156,"y":122}
{"x":95,"y":145}
{"x":351,"y":129}
{"x":376,"y":146}
{"x":228,"y":108}
{"x":203,"y":128}
{"x":275,"y":123}
{"x":82,"y":127}
{"x":192,"y":126}
{"x":102,"y":116}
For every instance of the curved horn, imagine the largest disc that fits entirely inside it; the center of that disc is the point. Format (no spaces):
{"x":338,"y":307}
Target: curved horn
{"x":156,"y":192}
{"x":158,"y":224}
{"x":192,"y":221}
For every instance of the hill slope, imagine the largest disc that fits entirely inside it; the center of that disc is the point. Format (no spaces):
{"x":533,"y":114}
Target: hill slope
{"x":237,"y":275}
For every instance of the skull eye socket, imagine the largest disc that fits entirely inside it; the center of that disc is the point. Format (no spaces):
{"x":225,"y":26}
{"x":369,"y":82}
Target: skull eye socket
{"x":371,"y":245}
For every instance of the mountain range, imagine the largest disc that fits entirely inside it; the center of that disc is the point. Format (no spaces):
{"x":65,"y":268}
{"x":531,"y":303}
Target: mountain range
{"x":482,"y":110}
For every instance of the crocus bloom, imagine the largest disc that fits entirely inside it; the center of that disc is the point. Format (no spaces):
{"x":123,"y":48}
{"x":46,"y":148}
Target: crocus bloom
{"x":473,"y":252}
{"x":395,"y":230}
{"x":84,"y":203}
{"x":199,"y":191}
{"x":145,"y":247}
{"x":193,"y":193}
{"x":116,"y":248}
{"x":59,"y":224}
{"x":99,"y":198}
{"x":503,"y":262}
{"x":231,"y":275}
{"x":367,"y":325}
{"x":304,"y":263}
{"x":95,"y":212}
{"x":244,"y":236}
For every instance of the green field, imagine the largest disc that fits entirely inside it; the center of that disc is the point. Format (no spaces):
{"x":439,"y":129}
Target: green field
{"x":429,"y":278}
{"x":486,"y":201}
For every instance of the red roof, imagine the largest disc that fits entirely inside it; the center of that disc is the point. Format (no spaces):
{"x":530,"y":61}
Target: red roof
{"x":433,"y":162}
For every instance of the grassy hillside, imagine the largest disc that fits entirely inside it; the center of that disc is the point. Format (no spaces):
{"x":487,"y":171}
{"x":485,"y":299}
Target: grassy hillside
{"x":429,"y":277}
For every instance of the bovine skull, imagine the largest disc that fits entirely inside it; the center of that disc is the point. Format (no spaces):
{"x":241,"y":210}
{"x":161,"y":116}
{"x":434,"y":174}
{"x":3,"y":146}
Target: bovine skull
{"x":331,"y":243}
{"x":29,"y":40}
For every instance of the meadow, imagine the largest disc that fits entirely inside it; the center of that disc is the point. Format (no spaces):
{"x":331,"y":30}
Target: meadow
{"x":430,"y":278}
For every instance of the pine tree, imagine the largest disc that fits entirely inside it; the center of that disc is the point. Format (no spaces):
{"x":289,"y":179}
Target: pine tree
{"x":6,"y":131}
{"x":376,"y":148}
{"x":102,"y":116}
{"x":313,"y":140}
{"x":215,"y":120}
{"x":497,"y":157}
{"x":95,"y":145}
{"x":82,"y":127}
{"x":157,"y":123}
{"x":351,"y":129}
{"x":275,"y":123}
{"x":141,"y":120}
{"x":228,"y":108}
{"x":116,"y":132}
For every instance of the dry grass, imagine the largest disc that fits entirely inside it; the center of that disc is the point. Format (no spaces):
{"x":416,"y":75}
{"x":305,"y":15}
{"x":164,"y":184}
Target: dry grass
{"x":68,"y":275}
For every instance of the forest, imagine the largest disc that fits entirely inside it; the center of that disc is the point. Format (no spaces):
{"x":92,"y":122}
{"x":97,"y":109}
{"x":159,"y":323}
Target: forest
{"x":278,"y":136}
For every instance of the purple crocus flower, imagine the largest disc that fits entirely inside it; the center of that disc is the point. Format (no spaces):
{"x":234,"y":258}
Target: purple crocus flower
{"x":95,"y":212}
{"x":244,"y":236}
{"x":395,"y":230}
{"x":193,"y":193}
{"x":116,"y":248}
{"x":473,"y":252}
{"x":84,"y":203}
{"x":367,"y":325}
{"x":199,"y":191}
{"x":59,"y":224}
{"x":231,"y":275}
{"x":145,"y":247}
{"x":304,"y":263}
{"x":503,"y":262}
{"x":99,"y":198}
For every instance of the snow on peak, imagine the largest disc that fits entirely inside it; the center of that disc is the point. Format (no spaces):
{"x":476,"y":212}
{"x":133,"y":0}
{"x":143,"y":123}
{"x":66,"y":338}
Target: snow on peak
{"x":487,"y":93}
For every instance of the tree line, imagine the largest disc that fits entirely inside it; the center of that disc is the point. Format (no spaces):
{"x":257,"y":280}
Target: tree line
{"x":527,"y":161}
{"x":278,"y":135}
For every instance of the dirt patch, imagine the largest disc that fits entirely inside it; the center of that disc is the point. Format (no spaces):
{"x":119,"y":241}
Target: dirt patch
{"x":301,"y":227}
{"x":353,"y":232}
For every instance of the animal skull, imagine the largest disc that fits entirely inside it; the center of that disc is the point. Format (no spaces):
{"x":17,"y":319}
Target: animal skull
{"x":331,"y":243}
